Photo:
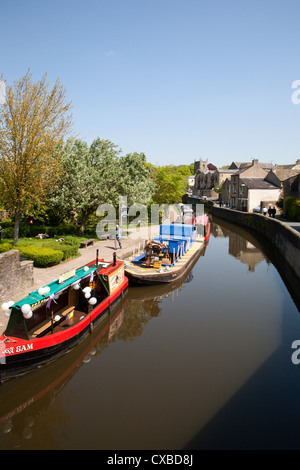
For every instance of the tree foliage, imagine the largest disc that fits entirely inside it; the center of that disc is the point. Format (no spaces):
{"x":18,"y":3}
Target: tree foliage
{"x":170,"y":184}
{"x":98,"y":175}
{"x":33,"y":122}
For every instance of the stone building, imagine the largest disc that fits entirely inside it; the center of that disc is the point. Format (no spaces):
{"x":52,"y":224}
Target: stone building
{"x":249,"y":188}
{"x":207,"y":176}
{"x":226,"y":192}
{"x":200,"y":165}
{"x":203,"y":183}
{"x":291,"y":186}
{"x":219,"y":176}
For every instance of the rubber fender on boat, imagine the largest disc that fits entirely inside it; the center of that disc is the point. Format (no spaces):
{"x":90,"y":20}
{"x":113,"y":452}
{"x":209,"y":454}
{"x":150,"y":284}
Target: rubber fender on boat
{"x":91,"y":327}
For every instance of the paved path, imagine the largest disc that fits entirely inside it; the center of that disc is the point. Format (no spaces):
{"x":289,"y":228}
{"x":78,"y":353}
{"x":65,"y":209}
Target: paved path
{"x":42,"y":276}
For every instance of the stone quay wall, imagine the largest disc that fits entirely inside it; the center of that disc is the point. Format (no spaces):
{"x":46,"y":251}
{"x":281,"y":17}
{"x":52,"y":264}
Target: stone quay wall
{"x":284,"y":238}
{"x":16,"y":277}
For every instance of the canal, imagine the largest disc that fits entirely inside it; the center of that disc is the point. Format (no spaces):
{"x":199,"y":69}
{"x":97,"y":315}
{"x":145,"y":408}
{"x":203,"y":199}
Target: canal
{"x":203,"y":364}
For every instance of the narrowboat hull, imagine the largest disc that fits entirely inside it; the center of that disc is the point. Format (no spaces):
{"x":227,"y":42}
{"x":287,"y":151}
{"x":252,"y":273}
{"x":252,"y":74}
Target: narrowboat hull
{"x":150,"y":276}
{"x":19,"y":355}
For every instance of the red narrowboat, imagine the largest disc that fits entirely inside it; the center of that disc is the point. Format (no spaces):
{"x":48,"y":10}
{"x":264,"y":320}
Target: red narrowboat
{"x":52,"y":320}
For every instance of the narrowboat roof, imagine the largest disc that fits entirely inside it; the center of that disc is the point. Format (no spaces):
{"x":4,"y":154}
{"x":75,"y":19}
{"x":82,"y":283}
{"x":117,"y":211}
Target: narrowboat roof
{"x":177,"y":230}
{"x":59,"y":285}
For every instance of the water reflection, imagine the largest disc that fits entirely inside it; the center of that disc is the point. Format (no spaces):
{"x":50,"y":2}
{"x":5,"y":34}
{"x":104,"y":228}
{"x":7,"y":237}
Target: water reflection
{"x":240,"y":247}
{"x":200,"y":363}
{"x":23,"y":399}
{"x":251,"y":248}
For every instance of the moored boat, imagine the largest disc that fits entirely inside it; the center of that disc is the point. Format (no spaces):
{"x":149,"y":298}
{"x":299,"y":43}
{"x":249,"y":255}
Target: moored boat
{"x":203,"y":226}
{"x":202,"y":223}
{"x":52,"y":320}
{"x":167,"y":257}
{"x":45,"y":382}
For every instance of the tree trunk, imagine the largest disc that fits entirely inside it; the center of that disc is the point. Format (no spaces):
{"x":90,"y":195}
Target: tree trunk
{"x":83,"y":223}
{"x":17,"y":224}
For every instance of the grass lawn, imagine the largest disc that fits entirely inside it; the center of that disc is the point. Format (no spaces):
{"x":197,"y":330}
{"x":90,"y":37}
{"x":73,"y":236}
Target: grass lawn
{"x":43,"y":242}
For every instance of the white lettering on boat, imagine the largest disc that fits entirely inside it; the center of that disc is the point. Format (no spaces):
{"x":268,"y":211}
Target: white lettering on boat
{"x":18,"y":349}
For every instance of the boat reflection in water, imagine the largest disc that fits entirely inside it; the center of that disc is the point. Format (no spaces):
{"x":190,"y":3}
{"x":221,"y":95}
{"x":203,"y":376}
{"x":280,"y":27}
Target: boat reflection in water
{"x":37,"y":389}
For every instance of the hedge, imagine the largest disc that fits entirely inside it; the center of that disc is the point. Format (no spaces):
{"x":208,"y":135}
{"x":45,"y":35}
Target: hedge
{"x":5,"y":247}
{"x":26,"y":230}
{"x":69,"y":251}
{"x":41,"y":257}
{"x":44,"y":256}
{"x":69,"y":247}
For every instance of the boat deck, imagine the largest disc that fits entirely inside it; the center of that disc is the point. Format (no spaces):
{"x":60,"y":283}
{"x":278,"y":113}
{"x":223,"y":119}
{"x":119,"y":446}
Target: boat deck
{"x":171,"y":271}
{"x":69,"y":317}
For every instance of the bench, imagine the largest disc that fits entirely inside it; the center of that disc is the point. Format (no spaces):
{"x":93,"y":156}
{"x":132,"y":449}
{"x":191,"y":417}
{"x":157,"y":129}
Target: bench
{"x":47,"y":324}
{"x":86,"y":243}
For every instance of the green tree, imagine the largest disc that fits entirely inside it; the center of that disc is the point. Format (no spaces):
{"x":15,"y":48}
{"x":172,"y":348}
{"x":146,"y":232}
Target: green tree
{"x":97,"y":175}
{"x":33,"y":123}
{"x":88,"y":177}
{"x":170,"y":185}
{"x":135,"y":181}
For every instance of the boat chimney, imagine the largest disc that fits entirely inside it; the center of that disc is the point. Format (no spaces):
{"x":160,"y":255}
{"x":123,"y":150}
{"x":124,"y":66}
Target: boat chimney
{"x":97,"y":256}
{"x":114,"y":258}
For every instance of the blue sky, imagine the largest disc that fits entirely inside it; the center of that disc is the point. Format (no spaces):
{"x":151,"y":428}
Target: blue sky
{"x":176,"y":79}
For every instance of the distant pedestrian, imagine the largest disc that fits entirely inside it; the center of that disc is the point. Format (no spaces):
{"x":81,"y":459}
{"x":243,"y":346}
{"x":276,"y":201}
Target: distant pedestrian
{"x":270,"y":211}
{"x":264,"y":211}
{"x":273,"y":211}
{"x":118,"y":234}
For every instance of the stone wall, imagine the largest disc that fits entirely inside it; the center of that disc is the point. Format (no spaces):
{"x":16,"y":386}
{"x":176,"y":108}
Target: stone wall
{"x":284,"y":238}
{"x":16,"y":277}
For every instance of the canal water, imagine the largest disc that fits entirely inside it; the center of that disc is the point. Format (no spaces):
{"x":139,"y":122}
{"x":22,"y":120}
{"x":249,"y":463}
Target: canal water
{"x":203,"y":364}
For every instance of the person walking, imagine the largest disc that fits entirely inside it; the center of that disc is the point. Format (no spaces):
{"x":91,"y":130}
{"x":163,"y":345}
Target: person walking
{"x":264,"y":211}
{"x":118,"y":234}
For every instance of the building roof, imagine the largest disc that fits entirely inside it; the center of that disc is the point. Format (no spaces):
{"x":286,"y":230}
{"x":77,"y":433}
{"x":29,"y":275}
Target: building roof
{"x":245,"y":165}
{"x":239,"y":164}
{"x":210,"y":166}
{"x":283,"y":174}
{"x":257,"y":183}
{"x":292,"y":178}
{"x":233,"y":170}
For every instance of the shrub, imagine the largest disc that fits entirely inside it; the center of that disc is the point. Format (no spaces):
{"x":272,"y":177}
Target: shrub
{"x":69,"y":251}
{"x":288,"y":205}
{"x":295,"y":210}
{"x":292,"y":208}
{"x":42,"y":257}
{"x":279,"y":203}
{"x":5,"y":247}
{"x":69,"y":246}
{"x":8,"y":231}
{"x":73,"y":241}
